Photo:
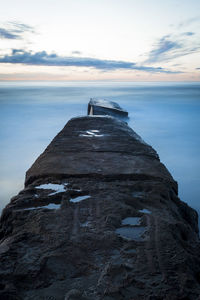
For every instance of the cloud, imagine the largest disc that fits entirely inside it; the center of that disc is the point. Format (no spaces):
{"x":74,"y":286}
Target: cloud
{"x":7,"y":34}
{"x":163,"y":46}
{"x":44,"y":59}
{"x":189,"y":33}
{"x":76,"y":52}
{"x":189,"y":21}
{"x":172,"y":46}
{"x":21,"y":27}
{"x":14,"y":30}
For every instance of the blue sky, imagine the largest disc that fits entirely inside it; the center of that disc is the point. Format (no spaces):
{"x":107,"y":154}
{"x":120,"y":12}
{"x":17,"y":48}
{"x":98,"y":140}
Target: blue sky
{"x":100,"y":40}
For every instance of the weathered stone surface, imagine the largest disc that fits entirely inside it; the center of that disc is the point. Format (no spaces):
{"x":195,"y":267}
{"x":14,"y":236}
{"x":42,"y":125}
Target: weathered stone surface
{"x":99,"y":218}
{"x":97,"y":145}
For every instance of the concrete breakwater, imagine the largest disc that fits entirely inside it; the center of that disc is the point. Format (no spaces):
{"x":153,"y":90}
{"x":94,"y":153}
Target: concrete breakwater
{"x":99,"y":218}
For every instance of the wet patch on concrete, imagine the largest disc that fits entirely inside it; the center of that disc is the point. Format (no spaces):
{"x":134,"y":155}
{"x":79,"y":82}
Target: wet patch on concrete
{"x":58,"y":188}
{"x":85,"y":224}
{"x":131,"y":229}
{"x":79,"y":198}
{"x":131,"y":233}
{"x":145,"y":211}
{"x":49,"y":206}
{"x":130,"y":251}
{"x":139,"y":194}
{"x":92,"y":133}
{"x":131,"y":221}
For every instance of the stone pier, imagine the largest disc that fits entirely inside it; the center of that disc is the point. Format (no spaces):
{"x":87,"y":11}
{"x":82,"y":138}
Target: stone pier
{"x":99,"y":218}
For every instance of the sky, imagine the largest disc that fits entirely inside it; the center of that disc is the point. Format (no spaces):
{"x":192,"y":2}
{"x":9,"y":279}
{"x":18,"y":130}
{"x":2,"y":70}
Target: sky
{"x":120,"y":40}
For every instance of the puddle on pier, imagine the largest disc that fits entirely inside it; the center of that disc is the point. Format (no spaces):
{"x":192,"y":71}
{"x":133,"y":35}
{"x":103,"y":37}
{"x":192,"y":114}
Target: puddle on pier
{"x":49,"y":206}
{"x":131,"y":233}
{"x":139,"y":194}
{"x":92,"y":133}
{"x":58,"y":188}
{"x":145,"y":211}
{"x":131,"y":221}
{"x":86,"y":224}
{"x":79,"y":198}
{"x":131,"y":251}
{"x":130,"y":229}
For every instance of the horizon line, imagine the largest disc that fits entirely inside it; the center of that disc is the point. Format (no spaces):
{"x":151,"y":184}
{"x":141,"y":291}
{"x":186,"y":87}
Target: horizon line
{"x":93,"y":80}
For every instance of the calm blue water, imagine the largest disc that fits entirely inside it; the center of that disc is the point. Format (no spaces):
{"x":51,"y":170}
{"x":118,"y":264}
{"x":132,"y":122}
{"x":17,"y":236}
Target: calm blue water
{"x":166,"y":115}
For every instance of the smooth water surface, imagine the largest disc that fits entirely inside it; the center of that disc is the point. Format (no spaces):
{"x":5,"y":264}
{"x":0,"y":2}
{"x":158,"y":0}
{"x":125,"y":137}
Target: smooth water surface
{"x":166,"y":115}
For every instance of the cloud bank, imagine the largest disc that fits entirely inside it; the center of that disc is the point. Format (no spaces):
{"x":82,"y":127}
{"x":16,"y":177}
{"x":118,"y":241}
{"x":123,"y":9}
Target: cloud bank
{"x":7,"y":34}
{"x":14,"y":30}
{"x":169,"y":47}
{"x":20,"y":56}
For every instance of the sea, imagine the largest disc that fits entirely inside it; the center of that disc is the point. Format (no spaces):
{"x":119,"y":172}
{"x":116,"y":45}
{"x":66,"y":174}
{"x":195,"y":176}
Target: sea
{"x":165,"y":114}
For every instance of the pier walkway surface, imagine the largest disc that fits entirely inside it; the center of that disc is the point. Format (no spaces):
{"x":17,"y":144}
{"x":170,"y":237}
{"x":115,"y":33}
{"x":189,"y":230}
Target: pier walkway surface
{"x":99,"y":218}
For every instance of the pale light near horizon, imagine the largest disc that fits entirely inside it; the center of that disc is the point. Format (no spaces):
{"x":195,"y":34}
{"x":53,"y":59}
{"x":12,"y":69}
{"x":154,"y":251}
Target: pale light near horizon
{"x":100,"y":40}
